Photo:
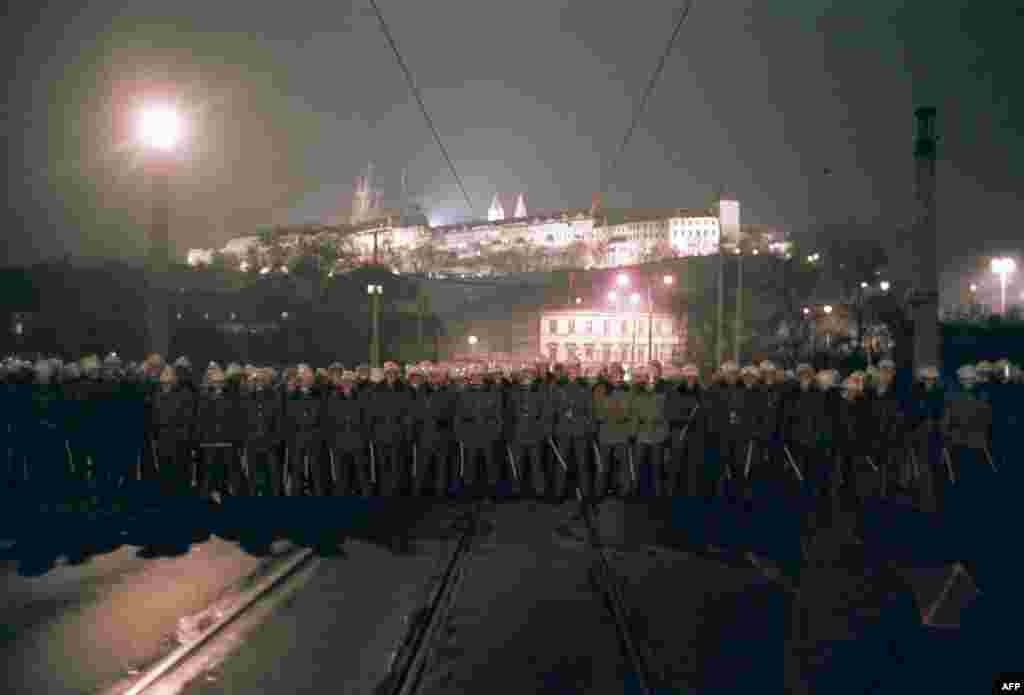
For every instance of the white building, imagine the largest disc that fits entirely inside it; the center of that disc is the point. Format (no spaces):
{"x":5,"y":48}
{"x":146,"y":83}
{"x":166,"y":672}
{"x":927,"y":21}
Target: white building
{"x":199,"y":257}
{"x":596,"y":336}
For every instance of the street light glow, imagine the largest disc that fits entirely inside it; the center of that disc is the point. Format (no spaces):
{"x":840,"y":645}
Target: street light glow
{"x":622,"y":280}
{"x":974,"y":288}
{"x":863,"y":285}
{"x":828,"y":308}
{"x":1003,"y":267}
{"x":472,"y":340}
{"x":807,"y":312}
{"x":635,"y":298}
{"x":884,"y":284}
{"x":612,"y":296}
{"x":669,"y":280}
{"x":579,"y":300}
{"x":160,"y":127}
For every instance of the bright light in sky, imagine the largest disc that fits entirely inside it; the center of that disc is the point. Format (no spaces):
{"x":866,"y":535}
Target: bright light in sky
{"x":160,"y":127}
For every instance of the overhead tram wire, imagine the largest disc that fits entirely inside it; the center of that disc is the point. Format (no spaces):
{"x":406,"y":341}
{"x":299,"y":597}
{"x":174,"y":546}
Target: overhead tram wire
{"x":419,"y":99}
{"x":650,"y":89}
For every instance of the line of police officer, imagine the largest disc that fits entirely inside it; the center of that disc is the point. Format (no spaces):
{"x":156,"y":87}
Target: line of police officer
{"x":246,"y":431}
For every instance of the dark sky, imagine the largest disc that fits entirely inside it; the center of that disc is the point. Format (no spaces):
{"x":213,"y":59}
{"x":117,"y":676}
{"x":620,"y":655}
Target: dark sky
{"x":529,"y":96}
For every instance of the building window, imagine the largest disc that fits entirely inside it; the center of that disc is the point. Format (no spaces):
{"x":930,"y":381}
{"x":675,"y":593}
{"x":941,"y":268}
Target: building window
{"x":553,"y":327}
{"x":641,"y":351}
{"x":588,"y":351}
{"x":606,"y":351}
{"x":607,"y":326}
{"x":553,"y":352}
{"x":570,"y":351}
{"x":590,"y":328}
{"x":572,"y":326}
{"x":625,"y":326}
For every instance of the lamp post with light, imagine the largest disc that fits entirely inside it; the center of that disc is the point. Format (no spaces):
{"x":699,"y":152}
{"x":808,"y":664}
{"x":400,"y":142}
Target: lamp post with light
{"x":159,"y":129}
{"x":473,"y":340}
{"x":1003,"y":267}
{"x":666,"y":281}
{"x":375,"y":292}
{"x":828,"y":326}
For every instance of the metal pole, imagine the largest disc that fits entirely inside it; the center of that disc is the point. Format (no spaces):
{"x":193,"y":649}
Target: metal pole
{"x":1002,"y":288}
{"x":720,"y":330}
{"x":739,"y":307}
{"x":650,"y":323}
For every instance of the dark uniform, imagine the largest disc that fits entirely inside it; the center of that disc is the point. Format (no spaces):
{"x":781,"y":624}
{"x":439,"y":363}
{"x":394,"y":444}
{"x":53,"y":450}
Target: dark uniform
{"x":263,"y":443}
{"x":573,"y":407}
{"x":616,"y":423}
{"x":173,"y":422}
{"x":389,"y":416}
{"x":968,"y":428}
{"x":685,"y":469}
{"x":303,"y":438}
{"x":220,"y":438}
{"x":652,"y":433}
{"x":432,"y":409}
{"x":345,"y":431}
{"x":926,"y":413}
{"x":478,"y":430}
{"x":887,"y":441}
{"x":529,"y":425}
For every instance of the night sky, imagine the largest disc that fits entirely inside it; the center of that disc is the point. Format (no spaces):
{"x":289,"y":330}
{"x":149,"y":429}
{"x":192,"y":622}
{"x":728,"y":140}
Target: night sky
{"x":294,"y":98}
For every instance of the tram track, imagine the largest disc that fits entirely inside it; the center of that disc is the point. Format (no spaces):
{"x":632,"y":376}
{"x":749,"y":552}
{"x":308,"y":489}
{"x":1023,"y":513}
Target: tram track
{"x":609,"y":584}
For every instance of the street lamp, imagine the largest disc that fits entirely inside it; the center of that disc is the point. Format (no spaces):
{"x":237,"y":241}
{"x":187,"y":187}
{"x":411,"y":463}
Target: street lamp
{"x":375,"y":292}
{"x":884,"y":285}
{"x":1003,"y":267}
{"x":667,"y":281}
{"x":159,"y":129}
{"x":473,"y":340}
{"x":828,"y":332}
{"x":622,"y":280}
{"x":635,"y":300}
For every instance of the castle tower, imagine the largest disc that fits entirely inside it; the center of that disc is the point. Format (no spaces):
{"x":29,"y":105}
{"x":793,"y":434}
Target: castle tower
{"x":364,"y":200}
{"x":496,"y":212}
{"x":520,"y":207}
{"x":728,"y":219}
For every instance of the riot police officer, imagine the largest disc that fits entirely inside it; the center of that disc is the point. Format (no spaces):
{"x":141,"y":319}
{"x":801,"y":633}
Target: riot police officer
{"x":685,"y":468}
{"x":528,"y":428}
{"x":651,"y":431}
{"x":574,"y":431}
{"x":616,"y":428}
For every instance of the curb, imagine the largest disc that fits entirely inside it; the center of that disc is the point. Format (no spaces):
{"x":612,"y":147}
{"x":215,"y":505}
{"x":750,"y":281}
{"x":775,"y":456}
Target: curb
{"x":246,"y":599}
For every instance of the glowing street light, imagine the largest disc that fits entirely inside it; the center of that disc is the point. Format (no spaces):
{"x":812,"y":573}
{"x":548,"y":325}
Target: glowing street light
{"x":473,"y":340}
{"x":160,"y":127}
{"x":613,"y":297}
{"x":806,"y":312}
{"x":863,"y":285}
{"x":622,"y":280}
{"x":1003,"y":267}
{"x":828,"y":309}
{"x":579,"y":300}
{"x":974,"y":288}
{"x":635,"y":298}
{"x":884,"y":284}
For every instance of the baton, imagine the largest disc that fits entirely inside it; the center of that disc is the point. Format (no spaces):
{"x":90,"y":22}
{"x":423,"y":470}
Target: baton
{"x":373,"y":464}
{"x":71,"y":458}
{"x":334,"y":472}
{"x":750,"y":455}
{"x":792,"y":462}
{"x":990,"y":461}
{"x":414,"y":460}
{"x":689,"y":420}
{"x":949,"y":464}
{"x":558,"y":454}
{"x":511,"y":460}
{"x":915,"y":469}
{"x":462,"y":461}
{"x":871,"y":462}
{"x":597,"y":457}
{"x":629,"y":457}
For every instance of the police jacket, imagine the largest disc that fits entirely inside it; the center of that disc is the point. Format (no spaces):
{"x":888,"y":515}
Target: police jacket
{"x":685,"y":410}
{"x":174,"y":413}
{"x":648,"y":409}
{"x":615,"y":416}
{"x":968,"y":420}
{"x":344,"y":419}
{"x":479,"y":414}
{"x":853,"y":425}
{"x":264,"y":418}
{"x":926,"y":409}
{"x":388,"y":411}
{"x":528,"y":413}
{"x":573,"y":407}
{"x":431,"y":411}
{"x":887,"y":417}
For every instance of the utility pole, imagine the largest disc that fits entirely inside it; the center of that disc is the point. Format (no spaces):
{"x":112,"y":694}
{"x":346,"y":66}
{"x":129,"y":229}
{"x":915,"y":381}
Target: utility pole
{"x":923,"y":296}
{"x":739,"y":304}
{"x":375,"y":292}
{"x":720,"y":325}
